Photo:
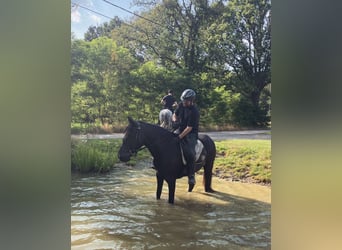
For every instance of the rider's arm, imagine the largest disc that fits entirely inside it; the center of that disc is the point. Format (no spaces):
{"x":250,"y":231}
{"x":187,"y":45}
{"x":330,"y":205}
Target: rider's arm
{"x":176,"y":114}
{"x":186,"y":131}
{"x":174,"y":105}
{"x":174,"y":117}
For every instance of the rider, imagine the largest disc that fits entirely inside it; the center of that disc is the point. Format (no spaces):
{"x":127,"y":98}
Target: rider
{"x":188,"y":116}
{"x":169,"y":101}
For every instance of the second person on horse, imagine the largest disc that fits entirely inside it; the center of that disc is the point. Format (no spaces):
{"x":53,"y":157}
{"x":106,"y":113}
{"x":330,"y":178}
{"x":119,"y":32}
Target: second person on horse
{"x":168,"y":101}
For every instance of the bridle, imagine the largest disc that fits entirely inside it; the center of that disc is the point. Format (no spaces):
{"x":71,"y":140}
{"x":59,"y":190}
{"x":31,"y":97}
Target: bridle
{"x":133,"y":152}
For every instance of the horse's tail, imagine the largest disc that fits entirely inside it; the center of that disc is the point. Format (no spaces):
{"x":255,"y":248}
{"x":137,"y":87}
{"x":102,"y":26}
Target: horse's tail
{"x":209,"y":161}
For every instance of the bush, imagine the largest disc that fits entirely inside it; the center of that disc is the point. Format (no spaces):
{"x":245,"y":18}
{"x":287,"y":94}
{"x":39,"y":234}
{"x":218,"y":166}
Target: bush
{"x":218,"y":112}
{"x":246,"y":115}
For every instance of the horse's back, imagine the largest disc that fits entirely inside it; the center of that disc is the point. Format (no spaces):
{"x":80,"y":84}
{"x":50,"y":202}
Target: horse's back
{"x":206,"y":140}
{"x":208,"y":144}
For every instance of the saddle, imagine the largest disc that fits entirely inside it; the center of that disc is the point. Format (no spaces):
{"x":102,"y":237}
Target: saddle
{"x":198,"y":149}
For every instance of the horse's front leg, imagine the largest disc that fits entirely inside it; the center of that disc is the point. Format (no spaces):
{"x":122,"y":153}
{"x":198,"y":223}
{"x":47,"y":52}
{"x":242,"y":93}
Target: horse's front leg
{"x":172,"y":188}
{"x":160,"y":182}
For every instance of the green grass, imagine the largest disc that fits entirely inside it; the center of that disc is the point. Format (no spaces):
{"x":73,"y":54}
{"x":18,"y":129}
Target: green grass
{"x":94,"y":155}
{"x":247,"y":160}
{"x":96,"y":128}
{"x":243,"y":160}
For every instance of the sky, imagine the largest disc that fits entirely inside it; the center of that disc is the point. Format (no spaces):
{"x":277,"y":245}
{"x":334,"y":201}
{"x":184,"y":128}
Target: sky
{"x":81,"y":18}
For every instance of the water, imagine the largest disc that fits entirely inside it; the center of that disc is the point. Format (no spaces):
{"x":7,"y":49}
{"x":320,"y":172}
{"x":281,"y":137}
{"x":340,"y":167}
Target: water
{"x":119,"y":211}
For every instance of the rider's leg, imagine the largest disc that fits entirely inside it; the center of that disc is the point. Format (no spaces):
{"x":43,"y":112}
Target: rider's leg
{"x":191,"y":141}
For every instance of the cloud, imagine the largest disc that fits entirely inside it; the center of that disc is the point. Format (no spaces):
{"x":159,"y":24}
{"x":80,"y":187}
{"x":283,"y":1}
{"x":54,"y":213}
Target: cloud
{"x":95,"y":18}
{"x":75,"y":16}
{"x":90,"y":3}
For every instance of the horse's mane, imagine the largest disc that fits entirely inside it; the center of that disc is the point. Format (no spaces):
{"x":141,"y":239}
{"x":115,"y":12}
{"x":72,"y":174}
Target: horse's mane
{"x":157,"y":129}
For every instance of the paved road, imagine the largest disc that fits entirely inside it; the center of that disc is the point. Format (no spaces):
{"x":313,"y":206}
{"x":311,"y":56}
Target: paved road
{"x":216,"y":136}
{"x":248,"y":134}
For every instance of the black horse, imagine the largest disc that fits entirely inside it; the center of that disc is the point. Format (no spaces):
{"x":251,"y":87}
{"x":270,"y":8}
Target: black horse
{"x":166,"y":152}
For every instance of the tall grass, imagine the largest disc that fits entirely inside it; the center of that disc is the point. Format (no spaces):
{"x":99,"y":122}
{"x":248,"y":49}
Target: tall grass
{"x":94,"y":155}
{"x":98,"y":155}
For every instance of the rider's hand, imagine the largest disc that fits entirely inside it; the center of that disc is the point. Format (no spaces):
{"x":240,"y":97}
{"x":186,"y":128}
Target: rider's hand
{"x":177,"y":139}
{"x":175,"y":125}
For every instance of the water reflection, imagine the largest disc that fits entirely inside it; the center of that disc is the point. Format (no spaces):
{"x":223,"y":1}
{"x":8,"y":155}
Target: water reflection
{"x":119,"y":211}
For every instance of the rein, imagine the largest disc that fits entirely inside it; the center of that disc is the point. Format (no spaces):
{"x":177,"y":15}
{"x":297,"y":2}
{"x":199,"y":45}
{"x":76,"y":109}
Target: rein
{"x":135,"y":151}
{"x":141,"y":148}
{"x":137,"y":138}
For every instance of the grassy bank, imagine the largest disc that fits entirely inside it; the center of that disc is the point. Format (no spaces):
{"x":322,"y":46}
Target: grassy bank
{"x":236,"y":160}
{"x":98,"y":155}
{"x":244,"y":160}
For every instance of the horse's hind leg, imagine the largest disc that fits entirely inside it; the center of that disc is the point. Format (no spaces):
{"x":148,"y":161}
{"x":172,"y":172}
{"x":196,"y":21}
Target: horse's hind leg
{"x":160,"y":181}
{"x":209,"y":163}
{"x":207,"y":177}
{"x":172,"y":188}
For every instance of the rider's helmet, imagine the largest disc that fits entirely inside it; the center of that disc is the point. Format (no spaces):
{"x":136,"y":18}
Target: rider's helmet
{"x":188,"y":94}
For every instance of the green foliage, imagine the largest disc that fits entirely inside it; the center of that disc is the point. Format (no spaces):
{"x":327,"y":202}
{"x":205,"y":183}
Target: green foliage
{"x":241,"y":39}
{"x":247,"y":115}
{"x":223,"y":104}
{"x":103,"y":96}
{"x":104,"y":29}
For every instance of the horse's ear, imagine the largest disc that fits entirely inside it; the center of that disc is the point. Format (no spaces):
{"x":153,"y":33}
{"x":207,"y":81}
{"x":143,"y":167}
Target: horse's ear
{"x":131,"y":121}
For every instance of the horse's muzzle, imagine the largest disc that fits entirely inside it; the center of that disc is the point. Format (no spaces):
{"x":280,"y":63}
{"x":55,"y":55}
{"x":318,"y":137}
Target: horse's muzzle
{"x":124,"y":158}
{"x":124,"y":155}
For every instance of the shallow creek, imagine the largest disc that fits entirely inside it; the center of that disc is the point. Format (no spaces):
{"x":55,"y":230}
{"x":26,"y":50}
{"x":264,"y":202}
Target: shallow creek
{"x":118,"y":210}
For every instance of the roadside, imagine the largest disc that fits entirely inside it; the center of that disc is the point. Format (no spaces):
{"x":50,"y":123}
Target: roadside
{"x":216,"y":136}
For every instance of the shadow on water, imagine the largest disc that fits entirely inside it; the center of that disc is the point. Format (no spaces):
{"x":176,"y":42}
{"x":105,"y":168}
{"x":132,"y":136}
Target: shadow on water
{"x":119,"y":211}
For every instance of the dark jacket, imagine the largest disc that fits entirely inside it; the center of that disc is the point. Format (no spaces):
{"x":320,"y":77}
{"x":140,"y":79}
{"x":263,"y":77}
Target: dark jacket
{"x":188,"y":116}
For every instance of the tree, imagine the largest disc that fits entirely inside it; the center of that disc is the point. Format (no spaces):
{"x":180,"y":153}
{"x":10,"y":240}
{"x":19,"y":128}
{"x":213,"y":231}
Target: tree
{"x":104,"y":29}
{"x":106,"y":93}
{"x":243,"y":36}
{"x":93,"y":60}
{"x":78,"y":57}
{"x":170,"y":33}
{"x":219,"y":48}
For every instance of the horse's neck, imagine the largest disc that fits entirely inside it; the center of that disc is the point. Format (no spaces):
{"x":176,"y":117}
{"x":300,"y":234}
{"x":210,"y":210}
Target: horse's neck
{"x":152,"y":139}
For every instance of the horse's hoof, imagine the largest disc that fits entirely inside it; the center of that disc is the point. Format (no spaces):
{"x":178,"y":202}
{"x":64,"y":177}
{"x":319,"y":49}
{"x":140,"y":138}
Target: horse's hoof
{"x":192,"y":180}
{"x":210,"y":190}
{"x":191,"y":187}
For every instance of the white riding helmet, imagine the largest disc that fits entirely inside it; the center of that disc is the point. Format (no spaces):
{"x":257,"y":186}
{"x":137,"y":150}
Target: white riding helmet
{"x":188,"y":94}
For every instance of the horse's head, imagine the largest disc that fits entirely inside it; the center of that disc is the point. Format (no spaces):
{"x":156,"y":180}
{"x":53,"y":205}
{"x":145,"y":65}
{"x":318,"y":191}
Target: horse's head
{"x":131,"y":141}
